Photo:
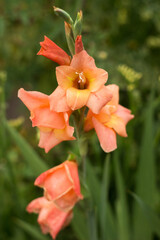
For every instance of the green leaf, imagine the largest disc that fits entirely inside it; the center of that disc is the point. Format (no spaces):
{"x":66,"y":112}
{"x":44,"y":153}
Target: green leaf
{"x":30,"y":156}
{"x":32,"y":231}
{"x":146,"y":174}
{"x":121,"y":204}
{"x":150,"y":215}
{"x":79,"y":225}
{"x":107,"y":223}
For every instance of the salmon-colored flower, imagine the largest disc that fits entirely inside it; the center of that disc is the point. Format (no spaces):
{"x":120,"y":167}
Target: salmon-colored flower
{"x":51,"y":218}
{"x":54,"y":127}
{"x":61,"y":185}
{"x":112,"y":119}
{"x":81,"y":83}
{"x":50,"y":50}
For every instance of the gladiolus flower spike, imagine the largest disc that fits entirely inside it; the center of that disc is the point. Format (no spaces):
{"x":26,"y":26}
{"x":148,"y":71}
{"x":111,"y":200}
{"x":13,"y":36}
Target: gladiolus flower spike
{"x":80,"y":84}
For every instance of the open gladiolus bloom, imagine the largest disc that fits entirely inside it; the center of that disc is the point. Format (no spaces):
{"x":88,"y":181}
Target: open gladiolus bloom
{"x":54,"y":127}
{"x":112,"y":119}
{"x":81,"y":83}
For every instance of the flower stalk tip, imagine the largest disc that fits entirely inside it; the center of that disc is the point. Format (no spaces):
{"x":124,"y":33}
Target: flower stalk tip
{"x":63,"y":14}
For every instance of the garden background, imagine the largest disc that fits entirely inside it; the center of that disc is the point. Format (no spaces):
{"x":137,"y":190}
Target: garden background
{"x":123,"y":187}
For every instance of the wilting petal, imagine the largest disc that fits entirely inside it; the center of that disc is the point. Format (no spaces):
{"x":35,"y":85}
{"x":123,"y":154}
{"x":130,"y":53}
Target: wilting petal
{"x":118,"y":125}
{"x":82,"y":61}
{"x":97,"y":77}
{"x":44,"y":117}
{"x":33,"y":99}
{"x":98,"y":99}
{"x":124,"y":113}
{"x":58,"y":101}
{"x":77,"y":98}
{"x":50,"y":138}
{"x":106,"y":136}
{"x":78,"y":44}
{"x":50,"y":50}
{"x":65,"y":76}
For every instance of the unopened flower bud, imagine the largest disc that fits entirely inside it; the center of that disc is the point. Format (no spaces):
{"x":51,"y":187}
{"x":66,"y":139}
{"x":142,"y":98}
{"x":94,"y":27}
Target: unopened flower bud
{"x":78,"y":24}
{"x":63,"y":14}
{"x":70,"y":38}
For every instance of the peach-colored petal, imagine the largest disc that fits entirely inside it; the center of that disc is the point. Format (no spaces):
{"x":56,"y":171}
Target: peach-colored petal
{"x":72,"y":170}
{"x":36,"y":205}
{"x":51,"y":218}
{"x":77,"y":98}
{"x":33,"y":99}
{"x":50,"y":50}
{"x":111,"y":106}
{"x":97,"y":77}
{"x":118,"y":125}
{"x":106,"y":136}
{"x":58,"y":101}
{"x":66,"y":76}
{"x":78,"y":44}
{"x":44,"y":117}
{"x":49,"y":139}
{"x":98,"y":99}
{"x":88,"y":124}
{"x":124,"y":113}
{"x":82,"y":61}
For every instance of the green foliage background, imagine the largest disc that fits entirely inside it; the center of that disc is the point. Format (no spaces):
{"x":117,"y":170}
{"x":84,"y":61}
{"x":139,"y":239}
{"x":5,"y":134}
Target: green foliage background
{"x":123,"y":197}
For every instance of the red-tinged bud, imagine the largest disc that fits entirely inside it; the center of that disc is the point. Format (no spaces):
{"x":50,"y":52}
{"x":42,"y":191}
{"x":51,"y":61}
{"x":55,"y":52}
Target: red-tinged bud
{"x":50,"y":50}
{"x":78,"y":44}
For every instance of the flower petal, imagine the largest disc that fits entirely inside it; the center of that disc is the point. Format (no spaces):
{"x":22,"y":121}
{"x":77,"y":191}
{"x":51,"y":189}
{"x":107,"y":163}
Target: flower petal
{"x":111,"y":106}
{"x":97,"y":77}
{"x":118,"y":125}
{"x":50,"y":50}
{"x":49,"y":139}
{"x":66,"y":76}
{"x":124,"y":113}
{"x":78,"y":44}
{"x":72,"y":170}
{"x":36,"y":205}
{"x":33,"y":99}
{"x":58,"y":101}
{"x":106,"y":136}
{"x":77,"y":98}
{"x":98,"y":99}
{"x":44,"y":117}
{"x":82,"y":61}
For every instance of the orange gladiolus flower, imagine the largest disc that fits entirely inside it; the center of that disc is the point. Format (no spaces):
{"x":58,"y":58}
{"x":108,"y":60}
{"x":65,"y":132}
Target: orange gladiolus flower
{"x":112,"y":119}
{"x":61,"y":185}
{"x":81,"y":83}
{"x":51,"y":218}
{"x":54,"y":127}
{"x":50,"y":50}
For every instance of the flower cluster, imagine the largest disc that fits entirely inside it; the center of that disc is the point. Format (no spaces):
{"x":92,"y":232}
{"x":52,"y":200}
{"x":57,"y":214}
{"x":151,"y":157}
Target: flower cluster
{"x":81,"y":88}
{"x":80,"y":83}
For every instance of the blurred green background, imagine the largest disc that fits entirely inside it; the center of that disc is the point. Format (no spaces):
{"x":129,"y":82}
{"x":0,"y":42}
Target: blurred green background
{"x":123,"y":197}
